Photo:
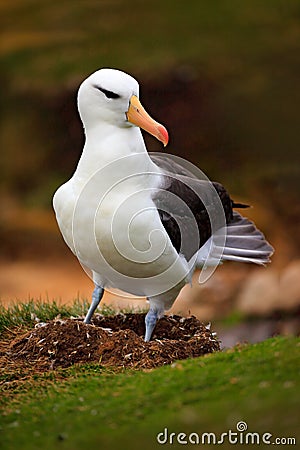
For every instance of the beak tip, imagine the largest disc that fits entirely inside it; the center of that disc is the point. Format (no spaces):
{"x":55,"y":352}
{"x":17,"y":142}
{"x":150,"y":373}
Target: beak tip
{"x":163,"y":135}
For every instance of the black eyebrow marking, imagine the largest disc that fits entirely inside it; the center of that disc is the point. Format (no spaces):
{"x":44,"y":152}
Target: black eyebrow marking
{"x":108,"y":94}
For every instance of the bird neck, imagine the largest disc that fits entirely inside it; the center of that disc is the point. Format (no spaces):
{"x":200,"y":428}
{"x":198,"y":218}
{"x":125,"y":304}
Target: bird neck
{"x":121,"y":150}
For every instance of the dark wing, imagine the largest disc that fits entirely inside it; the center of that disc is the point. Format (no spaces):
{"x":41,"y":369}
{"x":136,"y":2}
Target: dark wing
{"x":187,"y":205}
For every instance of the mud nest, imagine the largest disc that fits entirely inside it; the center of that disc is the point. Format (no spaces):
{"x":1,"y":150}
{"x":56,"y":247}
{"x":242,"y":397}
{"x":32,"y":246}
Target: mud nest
{"x":112,"y":341}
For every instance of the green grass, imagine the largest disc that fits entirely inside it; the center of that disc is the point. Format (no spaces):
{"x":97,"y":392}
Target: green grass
{"x":27,"y":314}
{"x":90,"y":407}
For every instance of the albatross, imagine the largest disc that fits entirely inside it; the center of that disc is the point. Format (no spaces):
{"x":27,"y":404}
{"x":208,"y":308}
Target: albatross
{"x":140,"y":222}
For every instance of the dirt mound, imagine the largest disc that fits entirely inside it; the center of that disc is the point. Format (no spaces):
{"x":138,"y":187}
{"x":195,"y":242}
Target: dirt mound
{"x":112,"y":341}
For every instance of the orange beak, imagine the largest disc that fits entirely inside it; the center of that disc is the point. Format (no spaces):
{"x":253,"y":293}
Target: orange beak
{"x":137,"y":115}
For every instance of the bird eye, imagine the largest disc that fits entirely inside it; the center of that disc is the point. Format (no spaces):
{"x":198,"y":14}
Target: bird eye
{"x":108,"y":94}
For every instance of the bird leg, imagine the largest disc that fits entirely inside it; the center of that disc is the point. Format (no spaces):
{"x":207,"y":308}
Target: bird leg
{"x":96,"y":298}
{"x":150,"y":322}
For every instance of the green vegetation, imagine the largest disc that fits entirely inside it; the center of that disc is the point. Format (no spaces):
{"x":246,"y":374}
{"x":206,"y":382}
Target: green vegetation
{"x":27,"y":314}
{"x":92,"y":407}
{"x":246,"y":53}
{"x":53,"y":42}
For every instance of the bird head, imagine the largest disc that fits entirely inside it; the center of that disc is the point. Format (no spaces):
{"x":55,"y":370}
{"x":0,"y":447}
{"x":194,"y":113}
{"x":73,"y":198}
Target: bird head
{"x":112,"y":96}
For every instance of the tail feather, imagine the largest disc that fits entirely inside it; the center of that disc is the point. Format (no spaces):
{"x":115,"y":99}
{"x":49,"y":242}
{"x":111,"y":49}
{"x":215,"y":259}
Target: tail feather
{"x":243,"y":243}
{"x":243,"y":228}
{"x":239,"y":205}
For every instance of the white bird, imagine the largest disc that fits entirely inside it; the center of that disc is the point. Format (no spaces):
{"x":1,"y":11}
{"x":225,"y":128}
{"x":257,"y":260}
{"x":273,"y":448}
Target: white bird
{"x":143,"y":223}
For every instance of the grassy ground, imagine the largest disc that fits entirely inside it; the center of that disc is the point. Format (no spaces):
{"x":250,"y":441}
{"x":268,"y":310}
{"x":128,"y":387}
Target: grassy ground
{"x":27,"y":314}
{"x":88,"y":406}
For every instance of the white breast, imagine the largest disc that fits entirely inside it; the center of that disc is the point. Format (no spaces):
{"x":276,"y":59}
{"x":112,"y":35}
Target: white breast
{"x":117,"y":233}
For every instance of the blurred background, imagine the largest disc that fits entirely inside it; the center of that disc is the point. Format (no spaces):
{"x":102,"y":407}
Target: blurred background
{"x":222,"y":76}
